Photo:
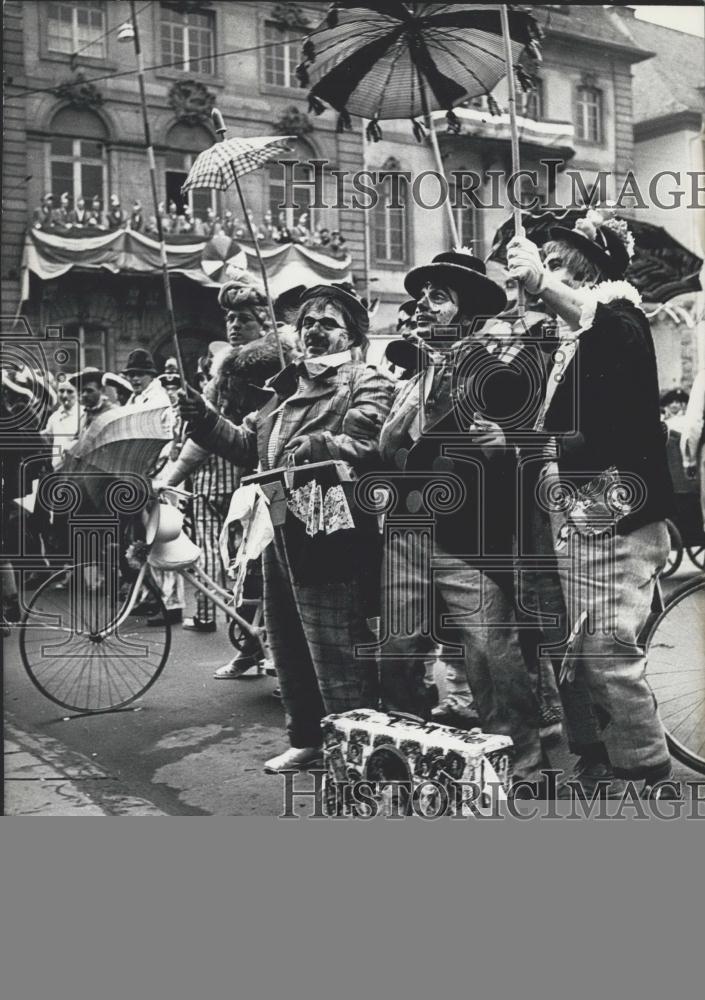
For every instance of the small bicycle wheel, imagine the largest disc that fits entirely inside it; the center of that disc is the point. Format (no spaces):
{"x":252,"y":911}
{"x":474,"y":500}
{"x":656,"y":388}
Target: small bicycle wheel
{"x":238,"y":637}
{"x":675,"y":644}
{"x":76,"y":654}
{"x":697,"y":555}
{"x":675,"y":556}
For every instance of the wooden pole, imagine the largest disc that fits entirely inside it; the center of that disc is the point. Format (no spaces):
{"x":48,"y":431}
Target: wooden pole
{"x":437,"y":155}
{"x":513,"y":131}
{"x":155,"y":195}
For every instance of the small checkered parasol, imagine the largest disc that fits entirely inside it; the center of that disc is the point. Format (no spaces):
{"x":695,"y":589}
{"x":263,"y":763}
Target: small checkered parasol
{"x":217,"y":167}
{"x":222,"y":166}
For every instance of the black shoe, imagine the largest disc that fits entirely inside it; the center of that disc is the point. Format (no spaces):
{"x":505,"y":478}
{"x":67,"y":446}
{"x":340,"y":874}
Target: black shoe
{"x":590,"y":775}
{"x":172,"y":617}
{"x":196,"y":625}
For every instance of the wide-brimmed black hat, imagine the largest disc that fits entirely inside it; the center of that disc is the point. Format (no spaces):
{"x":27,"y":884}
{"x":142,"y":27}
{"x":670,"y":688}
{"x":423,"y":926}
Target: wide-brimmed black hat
{"x":79,"y":379}
{"x":607,"y":251}
{"x":338,"y":295}
{"x":140,"y":362}
{"x":288,"y":300}
{"x":674,"y":396}
{"x":478,"y":295}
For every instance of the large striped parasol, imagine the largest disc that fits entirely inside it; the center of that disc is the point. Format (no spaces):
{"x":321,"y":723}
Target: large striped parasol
{"x":391,"y":60}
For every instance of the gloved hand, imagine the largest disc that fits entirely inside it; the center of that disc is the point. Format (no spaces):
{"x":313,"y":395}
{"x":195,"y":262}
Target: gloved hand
{"x":359,"y":425}
{"x":524,"y":263}
{"x":307,"y":448}
{"x":192,"y":405}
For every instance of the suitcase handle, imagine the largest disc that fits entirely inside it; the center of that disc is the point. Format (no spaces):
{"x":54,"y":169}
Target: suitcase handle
{"x":407,"y":715}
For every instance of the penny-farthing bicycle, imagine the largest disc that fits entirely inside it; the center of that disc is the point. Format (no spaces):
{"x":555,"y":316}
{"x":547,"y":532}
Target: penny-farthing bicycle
{"x":80,"y":642}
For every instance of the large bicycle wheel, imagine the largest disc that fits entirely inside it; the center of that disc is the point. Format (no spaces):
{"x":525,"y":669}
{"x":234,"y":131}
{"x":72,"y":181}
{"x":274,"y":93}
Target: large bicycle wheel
{"x":76,"y":654}
{"x":675,"y":643}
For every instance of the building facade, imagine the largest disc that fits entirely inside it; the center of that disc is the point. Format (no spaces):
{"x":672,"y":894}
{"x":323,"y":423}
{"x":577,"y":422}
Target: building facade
{"x":73,"y":125}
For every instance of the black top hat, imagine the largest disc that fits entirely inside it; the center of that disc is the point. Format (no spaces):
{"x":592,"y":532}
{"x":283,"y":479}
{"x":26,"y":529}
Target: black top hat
{"x":602,"y":242}
{"x":289,"y":299}
{"x":674,"y":396}
{"x":478,"y":295}
{"x":79,"y":379}
{"x":339,"y":296}
{"x":141,"y":362}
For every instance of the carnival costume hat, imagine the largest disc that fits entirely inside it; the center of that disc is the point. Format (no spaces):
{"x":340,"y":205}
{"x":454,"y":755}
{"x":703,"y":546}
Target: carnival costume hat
{"x":238,"y":294}
{"x":79,"y":379}
{"x":116,"y":381}
{"x":140,"y":362}
{"x":604,"y":240}
{"x":340,"y":296}
{"x":466,"y":275}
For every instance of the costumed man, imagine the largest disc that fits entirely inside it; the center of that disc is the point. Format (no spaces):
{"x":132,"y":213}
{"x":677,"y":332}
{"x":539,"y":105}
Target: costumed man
{"x":440,"y":425}
{"x":312,"y":627}
{"x":602,"y":407}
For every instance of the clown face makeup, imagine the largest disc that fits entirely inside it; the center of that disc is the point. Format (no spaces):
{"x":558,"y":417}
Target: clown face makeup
{"x":436,"y":306}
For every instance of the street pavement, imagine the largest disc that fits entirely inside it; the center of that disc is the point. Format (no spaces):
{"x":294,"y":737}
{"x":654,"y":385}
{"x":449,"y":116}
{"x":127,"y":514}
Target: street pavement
{"x":193,"y":746}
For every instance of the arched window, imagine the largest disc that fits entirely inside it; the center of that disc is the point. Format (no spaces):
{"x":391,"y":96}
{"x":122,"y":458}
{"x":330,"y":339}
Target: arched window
{"x":589,"y":114}
{"x":184,"y":143}
{"x":302,"y":194}
{"x":78,"y":163}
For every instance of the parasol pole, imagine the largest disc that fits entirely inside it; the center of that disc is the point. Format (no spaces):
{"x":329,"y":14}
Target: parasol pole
{"x":437,"y":155}
{"x":219,"y":126}
{"x":513,"y":131}
{"x":366,"y":225}
{"x":155,"y":196}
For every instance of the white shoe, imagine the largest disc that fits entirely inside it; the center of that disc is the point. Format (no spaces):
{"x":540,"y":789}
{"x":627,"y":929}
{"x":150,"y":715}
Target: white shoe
{"x":294,"y":759}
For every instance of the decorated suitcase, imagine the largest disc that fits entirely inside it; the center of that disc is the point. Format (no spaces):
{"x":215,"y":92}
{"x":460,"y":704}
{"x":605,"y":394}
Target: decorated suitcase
{"x":366,"y":745}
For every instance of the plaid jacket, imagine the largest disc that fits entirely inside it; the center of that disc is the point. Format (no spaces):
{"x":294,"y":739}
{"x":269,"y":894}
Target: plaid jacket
{"x":316,"y":410}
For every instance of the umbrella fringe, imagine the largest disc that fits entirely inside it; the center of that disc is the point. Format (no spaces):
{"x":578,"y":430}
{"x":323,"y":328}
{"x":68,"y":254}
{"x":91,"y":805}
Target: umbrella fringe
{"x":315,"y":106}
{"x":309,"y":51}
{"x":302,"y":74}
{"x":373,"y":131}
{"x":494,"y":108}
{"x":420,"y":131}
{"x":332,"y":16}
{"x":453,"y":122}
{"x":526,"y":80}
{"x":344,"y":123}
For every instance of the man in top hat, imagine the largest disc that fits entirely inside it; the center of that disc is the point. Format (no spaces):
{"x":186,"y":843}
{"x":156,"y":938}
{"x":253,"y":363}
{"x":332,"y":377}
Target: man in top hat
{"x":89,"y":385}
{"x":601,"y":407}
{"x":439,"y":432}
{"x":312,"y":628}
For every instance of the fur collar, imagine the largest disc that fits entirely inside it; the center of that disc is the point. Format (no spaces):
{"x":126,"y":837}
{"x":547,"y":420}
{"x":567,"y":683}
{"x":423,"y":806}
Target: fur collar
{"x":607,"y":291}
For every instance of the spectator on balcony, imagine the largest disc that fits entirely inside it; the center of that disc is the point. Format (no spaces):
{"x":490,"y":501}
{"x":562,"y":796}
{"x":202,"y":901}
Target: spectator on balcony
{"x":136,"y":217}
{"x":283,"y":231}
{"x":80,"y":214}
{"x":322,"y":237}
{"x":301,"y":232}
{"x":43,"y":214}
{"x":61,"y":216}
{"x":337,"y":244}
{"x":268,"y":228}
{"x":116,"y":216}
{"x":95,"y":217}
{"x":211,"y":225}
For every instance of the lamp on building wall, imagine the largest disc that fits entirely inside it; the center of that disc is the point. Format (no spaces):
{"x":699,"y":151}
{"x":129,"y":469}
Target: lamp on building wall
{"x":126,"y":32}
